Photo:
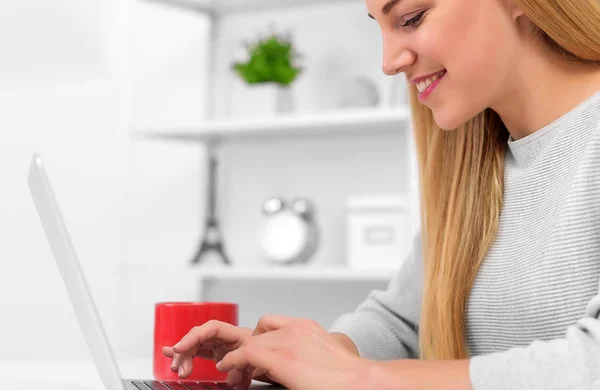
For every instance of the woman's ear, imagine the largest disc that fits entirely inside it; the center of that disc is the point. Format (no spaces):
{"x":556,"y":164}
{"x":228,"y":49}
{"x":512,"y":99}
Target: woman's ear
{"x":515,"y":11}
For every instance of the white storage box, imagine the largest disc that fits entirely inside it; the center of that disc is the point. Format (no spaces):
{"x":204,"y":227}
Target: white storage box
{"x":379,"y":231}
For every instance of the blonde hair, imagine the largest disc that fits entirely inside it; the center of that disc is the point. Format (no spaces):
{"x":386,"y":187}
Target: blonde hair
{"x":461,"y":183}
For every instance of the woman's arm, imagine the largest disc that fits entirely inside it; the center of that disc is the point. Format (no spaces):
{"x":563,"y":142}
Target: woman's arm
{"x":346,"y":342}
{"x":341,"y":338}
{"x":572,"y":362}
{"x":385,"y":326}
{"x":420,"y":375}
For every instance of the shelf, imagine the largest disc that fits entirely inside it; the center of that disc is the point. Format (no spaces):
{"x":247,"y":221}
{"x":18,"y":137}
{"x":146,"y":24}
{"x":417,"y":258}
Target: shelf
{"x":340,"y":122}
{"x":293,"y":273}
{"x":265,"y":272}
{"x":231,"y":7}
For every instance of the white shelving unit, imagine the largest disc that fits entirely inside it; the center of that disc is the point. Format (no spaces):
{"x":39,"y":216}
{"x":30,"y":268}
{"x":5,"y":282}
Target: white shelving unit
{"x":293,"y":273}
{"x":195,"y":279}
{"x":300,"y":290}
{"x":341,"y":122}
{"x":266,"y":272}
{"x":204,"y":276}
{"x":215,"y":131}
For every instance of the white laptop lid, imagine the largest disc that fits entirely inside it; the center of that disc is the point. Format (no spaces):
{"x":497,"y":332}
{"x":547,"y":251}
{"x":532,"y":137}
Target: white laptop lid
{"x":72,"y":275}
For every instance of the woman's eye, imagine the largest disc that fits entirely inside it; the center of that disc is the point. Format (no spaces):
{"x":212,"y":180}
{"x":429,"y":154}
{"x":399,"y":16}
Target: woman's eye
{"x":413,"y":21}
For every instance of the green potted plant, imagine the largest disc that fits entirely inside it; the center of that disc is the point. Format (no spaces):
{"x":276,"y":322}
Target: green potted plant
{"x":268,"y":73}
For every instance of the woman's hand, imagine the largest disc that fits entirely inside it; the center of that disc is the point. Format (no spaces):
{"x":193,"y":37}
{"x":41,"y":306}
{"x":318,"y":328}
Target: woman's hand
{"x":212,"y":340}
{"x":296,"y":353}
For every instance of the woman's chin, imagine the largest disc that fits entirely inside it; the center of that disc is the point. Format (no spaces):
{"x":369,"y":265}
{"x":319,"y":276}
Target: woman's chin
{"x":447,"y":122}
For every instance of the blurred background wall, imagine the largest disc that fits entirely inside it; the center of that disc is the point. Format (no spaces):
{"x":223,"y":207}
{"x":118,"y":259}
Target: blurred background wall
{"x":62,"y":94}
{"x":78,"y":76}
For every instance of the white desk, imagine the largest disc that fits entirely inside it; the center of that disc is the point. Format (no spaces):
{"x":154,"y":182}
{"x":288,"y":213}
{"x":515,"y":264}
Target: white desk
{"x":65,"y":374}
{"x":70,"y":375}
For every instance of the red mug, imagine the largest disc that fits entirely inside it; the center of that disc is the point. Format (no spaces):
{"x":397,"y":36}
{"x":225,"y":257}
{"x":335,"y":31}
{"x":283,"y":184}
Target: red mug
{"x":172,"y":321}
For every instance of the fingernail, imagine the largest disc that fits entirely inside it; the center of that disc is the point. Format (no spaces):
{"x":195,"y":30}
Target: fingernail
{"x":173,"y":364}
{"x":218,"y":364}
{"x":180,"y":370}
{"x":177,"y":345}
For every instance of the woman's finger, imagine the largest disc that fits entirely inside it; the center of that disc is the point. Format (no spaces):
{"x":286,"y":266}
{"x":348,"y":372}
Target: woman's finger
{"x":247,"y":378}
{"x":174,"y":364}
{"x":167,"y":351}
{"x":265,"y":341}
{"x":255,"y":355}
{"x":205,"y":353}
{"x":272,"y":322}
{"x":186,"y":365}
{"x":240,"y":378}
{"x":234,"y":377}
{"x":211,"y":329}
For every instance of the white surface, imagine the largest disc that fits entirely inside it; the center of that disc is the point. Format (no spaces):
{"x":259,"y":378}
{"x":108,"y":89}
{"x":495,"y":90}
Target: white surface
{"x":70,"y":374}
{"x":165,"y":190}
{"x":368,"y":121}
{"x":379,"y":230}
{"x":168,"y":70}
{"x":65,"y":374}
{"x":225,"y":7}
{"x":295,"y":273}
{"x":381,"y":202}
{"x":72,"y":274}
{"x":284,"y":272}
{"x":378,"y":239}
{"x":256,"y":101}
{"x":69,"y":109}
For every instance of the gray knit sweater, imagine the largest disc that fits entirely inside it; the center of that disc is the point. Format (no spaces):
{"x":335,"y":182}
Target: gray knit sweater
{"x":533,"y":317}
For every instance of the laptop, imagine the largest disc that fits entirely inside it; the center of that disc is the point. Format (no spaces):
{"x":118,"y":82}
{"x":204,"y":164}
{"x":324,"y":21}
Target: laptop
{"x":81,"y":298}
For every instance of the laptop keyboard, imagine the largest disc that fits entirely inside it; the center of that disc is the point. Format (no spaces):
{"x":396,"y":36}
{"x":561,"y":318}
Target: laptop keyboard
{"x":173,"y":385}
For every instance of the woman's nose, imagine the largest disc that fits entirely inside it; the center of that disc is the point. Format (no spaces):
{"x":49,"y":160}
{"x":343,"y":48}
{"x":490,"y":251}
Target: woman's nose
{"x":396,"y":59}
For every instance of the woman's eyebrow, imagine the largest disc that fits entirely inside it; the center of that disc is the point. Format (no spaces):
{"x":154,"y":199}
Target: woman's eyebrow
{"x":387,"y":8}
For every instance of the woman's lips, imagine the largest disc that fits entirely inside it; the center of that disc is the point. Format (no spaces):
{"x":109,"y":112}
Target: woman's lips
{"x":427,"y":91}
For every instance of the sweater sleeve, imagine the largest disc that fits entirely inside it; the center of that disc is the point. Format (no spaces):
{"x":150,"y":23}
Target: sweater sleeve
{"x":385,"y":326}
{"x":572,"y":362}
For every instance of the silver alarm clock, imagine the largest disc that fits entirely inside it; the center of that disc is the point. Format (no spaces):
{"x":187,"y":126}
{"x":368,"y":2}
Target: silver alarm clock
{"x":288,"y":233}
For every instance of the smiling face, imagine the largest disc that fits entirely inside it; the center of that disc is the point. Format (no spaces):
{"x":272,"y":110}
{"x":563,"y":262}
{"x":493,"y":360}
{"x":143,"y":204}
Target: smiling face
{"x":473,"y":43}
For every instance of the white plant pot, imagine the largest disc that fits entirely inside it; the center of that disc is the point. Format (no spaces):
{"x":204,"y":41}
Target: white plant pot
{"x":261,"y":100}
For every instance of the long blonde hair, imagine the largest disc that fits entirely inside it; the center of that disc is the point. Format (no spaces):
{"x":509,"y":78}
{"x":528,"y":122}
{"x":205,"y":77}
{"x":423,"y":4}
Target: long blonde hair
{"x":461,"y":183}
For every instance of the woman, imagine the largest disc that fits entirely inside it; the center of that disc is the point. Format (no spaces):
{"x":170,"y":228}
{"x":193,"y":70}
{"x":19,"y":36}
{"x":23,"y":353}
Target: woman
{"x":501,"y":288}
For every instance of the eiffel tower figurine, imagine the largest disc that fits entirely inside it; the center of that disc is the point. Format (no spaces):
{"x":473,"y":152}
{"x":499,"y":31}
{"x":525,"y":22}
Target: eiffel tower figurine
{"x":213,"y":239}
